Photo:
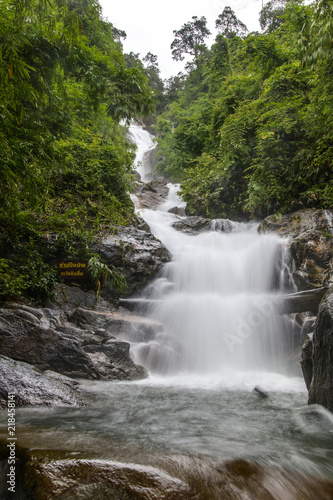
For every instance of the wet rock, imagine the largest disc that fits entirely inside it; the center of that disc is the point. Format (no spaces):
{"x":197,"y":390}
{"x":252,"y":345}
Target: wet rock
{"x":310,"y":236}
{"x":114,"y":361}
{"x":224,"y":225}
{"x":261,"y":392}
{"x":321,"y":389}
{"x":151,"y":194}
{"x":138,"y":255}
{"x":64,"y":348}
{"x":177,"y":211}
{"x":67,"y":298}
{"x":57,"y":475}
{"x":192,"y":225}
{"x":306,"y":361}
{"x":307,"y":327}
{"x":307,"y":300}
{"x":26,"y":338}
{"x":33,"y":388}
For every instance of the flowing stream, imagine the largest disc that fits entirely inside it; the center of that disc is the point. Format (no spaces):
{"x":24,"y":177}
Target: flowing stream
{"x":221,"y":337}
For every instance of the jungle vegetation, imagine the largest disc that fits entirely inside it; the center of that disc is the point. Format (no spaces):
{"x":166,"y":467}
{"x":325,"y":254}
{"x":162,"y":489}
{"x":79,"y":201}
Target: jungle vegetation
{"x":65,"y":163}
{"x":249,"y":130}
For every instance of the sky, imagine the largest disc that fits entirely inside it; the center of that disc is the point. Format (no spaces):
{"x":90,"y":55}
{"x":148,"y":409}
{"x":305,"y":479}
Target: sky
{"x":149,"y":24}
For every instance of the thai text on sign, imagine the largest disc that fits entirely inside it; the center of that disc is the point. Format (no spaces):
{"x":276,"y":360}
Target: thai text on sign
{"x":73,"y":269}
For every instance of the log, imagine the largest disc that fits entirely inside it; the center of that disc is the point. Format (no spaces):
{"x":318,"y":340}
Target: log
{"x":308,"y":300}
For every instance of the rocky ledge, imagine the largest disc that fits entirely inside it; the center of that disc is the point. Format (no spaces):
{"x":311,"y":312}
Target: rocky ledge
{"x":151,"y":194}
{"x":45,"y":350}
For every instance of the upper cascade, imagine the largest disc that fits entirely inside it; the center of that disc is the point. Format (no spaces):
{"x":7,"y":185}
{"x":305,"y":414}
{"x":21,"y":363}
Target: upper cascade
{"x":145,"y":144}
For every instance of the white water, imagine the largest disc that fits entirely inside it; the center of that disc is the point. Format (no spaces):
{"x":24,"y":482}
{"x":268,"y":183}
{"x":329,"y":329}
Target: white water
{"x":216,"y":302}
{"x":145,"y":143}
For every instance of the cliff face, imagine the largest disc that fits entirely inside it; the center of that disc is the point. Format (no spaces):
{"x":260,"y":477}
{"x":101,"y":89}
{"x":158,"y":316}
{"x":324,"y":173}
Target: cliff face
{"x":310,"y":239}
{"x":321,"y":387}
{"x":310,"y":234}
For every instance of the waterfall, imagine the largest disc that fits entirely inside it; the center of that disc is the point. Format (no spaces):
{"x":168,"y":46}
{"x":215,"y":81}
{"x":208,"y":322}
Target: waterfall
{"x":215,"y":299}
{"x":145,"y":144}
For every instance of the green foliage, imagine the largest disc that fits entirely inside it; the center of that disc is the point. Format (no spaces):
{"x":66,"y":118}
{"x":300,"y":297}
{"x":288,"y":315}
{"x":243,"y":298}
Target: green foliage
{"x":65,"y":163}
{"x":250,"y":131}
{"x":190,"y":39}
{"x":101,"y":274}
{"x":228,"y":24}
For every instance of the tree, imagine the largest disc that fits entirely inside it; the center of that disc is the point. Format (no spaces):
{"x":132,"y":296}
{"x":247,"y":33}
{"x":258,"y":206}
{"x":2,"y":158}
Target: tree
{"x":271,"y":15}
{"x":190,"y":39}
{"x":229,"y":25}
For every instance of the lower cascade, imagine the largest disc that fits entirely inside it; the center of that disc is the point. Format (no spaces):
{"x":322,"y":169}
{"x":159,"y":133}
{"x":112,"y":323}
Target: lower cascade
{"x":216,"y":301}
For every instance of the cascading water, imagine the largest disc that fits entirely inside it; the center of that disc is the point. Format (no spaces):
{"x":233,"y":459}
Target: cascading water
{"x":216,"y":304}
{"x":215,"y":300}
{"x":145,"y":144}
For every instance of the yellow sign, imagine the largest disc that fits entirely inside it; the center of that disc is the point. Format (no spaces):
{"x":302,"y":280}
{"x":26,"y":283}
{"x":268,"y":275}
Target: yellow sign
{"x":72,"y":269}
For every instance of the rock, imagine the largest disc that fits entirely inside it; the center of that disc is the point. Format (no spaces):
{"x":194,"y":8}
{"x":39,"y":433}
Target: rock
{"x":177,"y":211}
{"x":138,"y":255}
{"x":141,"y":224}
{"x":151,"y":194}
{"x":310,"y":242}
{"x":67,"y":298}
{"x":114,"y":361}
{"x":33,"y":388}
{"x":65,"y":348}
{"x":321,"y":388}
{"x":306,"y":361}
{"x":298,"y":302}
{"x":26,"y":338}
{"x":307,"y":327}
{"x":47,"y":475}
{"x":192,"y":225}
{"x":261,"y":392}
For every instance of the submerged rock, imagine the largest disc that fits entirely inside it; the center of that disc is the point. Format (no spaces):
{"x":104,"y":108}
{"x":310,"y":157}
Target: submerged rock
{"x":50,"y":475}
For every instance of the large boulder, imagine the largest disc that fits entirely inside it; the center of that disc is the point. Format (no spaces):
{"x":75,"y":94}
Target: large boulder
{"x":47,"y":474}
{"x":25,"y":337}
{"x":56,"y":341}
{"x":151,"y":194}
{"x":33,"y":388}
{"x":138,"y":255}
{"x":192,"y":225}
{"x":321,"y":388}
{"x":310,"y":241}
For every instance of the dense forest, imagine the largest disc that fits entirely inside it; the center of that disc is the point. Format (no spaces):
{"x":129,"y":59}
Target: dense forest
{"x":65,"y":161}
{"x":247,"y":128}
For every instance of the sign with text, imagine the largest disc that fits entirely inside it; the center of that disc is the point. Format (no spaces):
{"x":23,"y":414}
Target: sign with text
{"x":72,"y":269}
